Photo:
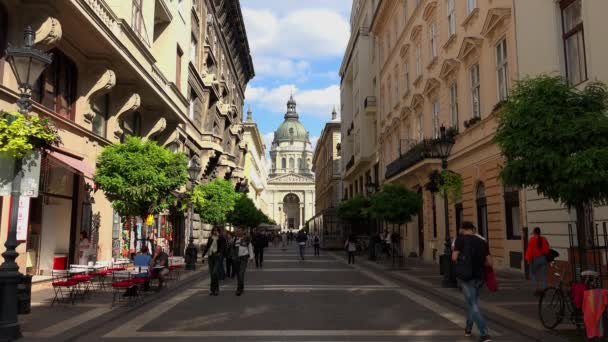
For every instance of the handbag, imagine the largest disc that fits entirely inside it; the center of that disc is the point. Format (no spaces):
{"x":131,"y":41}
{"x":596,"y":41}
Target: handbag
{"x":490,"y":278}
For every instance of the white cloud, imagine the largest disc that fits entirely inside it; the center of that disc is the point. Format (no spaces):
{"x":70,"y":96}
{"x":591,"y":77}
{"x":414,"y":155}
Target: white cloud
{"x":316,"y":102}
{"x":281,"y":68}
{"x":283,"y":7}
{"x":301,"y":33}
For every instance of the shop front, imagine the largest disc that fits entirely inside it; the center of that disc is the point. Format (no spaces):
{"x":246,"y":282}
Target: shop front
{"x":164,"y":229}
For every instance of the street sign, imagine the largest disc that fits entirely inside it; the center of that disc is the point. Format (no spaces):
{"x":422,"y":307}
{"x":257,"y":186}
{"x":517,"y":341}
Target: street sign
{"x":23,"y":218}
{"x":30,"y":182}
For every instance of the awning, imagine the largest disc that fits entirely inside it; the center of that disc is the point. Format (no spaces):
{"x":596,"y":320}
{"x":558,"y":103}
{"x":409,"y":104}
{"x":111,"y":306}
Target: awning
{"x":75,"y":164}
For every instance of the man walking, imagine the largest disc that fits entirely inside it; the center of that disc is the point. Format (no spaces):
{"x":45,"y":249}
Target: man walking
{"x":317,"y":244}
{"x":471,"y":255}
{"x":259,"y":243}
{"x":301,"y":241}
{"x":243,"y":250}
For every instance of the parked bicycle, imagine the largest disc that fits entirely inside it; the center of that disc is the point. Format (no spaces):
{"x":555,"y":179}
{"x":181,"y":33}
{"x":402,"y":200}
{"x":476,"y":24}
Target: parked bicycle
{"x":557,"y":303}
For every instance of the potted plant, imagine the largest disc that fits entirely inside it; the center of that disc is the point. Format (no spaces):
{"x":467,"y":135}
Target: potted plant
{"x":21,"y":134}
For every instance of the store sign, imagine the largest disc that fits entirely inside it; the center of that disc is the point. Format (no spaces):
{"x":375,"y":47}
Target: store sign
{"x":23,"y":218}
{"x":30,"y":180}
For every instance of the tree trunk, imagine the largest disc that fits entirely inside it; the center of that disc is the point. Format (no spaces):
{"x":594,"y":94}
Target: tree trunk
{"x":584,"y":225}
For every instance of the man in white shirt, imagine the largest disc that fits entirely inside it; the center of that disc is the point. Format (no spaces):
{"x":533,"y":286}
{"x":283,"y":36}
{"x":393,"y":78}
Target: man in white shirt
{"x":244,"y":249}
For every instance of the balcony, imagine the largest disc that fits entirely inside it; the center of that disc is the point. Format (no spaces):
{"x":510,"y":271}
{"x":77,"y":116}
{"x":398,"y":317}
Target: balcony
{"x":350,"y":163}
{"x":411,"y":152}
{"x":370,"y":104}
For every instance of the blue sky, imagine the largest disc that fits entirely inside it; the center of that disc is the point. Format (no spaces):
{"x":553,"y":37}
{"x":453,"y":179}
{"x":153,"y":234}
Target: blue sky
{"x":297,"y":46}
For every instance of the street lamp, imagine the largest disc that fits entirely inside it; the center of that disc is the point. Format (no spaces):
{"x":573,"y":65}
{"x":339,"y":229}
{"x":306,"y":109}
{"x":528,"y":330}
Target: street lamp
{"x":191,"y":252}
{"x":444,"y":145}
{"x":370,"y":186}
{"x":27,"y":64}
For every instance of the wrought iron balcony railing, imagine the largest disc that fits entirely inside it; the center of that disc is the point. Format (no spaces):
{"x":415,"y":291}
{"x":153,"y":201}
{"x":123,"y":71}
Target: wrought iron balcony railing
{"x":411,"y":152}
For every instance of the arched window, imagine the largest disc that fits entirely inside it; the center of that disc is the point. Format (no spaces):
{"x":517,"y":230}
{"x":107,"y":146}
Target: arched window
{"x":283,"y":163}
{"x":291,"y":163}
{"x":511,"y":198}
{"x":482,"y":211}
{"x":300,"y":164}
{"x":56,"y":87}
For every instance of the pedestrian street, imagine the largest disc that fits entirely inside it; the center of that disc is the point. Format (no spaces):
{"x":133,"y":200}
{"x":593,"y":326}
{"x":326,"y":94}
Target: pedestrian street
{"x":319,"y":299}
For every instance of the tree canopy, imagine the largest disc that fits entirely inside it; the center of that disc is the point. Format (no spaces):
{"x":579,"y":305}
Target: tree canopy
{"x":395,"y":204}
{"x":245,"y":214}
{"x":354,"y":210}
{"x":554,"y":137}
{"x":213,"y":201}
{"x":138,"y":176}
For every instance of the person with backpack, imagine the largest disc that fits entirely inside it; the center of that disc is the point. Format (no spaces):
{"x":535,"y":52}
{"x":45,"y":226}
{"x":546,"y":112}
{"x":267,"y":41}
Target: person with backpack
{"x":471,"y":255}
{"x":351,"y":248}
{"x":301,"y":241}
{"x":316,"y":242}
{"x":259,"y":243}
{"x":536,"y":257}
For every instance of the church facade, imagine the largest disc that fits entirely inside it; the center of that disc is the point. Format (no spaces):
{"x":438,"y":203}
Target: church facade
{"x":290,"y":190}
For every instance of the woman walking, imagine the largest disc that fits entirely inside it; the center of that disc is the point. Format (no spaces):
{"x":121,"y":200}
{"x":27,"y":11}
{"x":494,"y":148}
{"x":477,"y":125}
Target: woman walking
{"x":351,"y":248}
{"x":536,"y":256}
{"x":84,"y":248}
{"x":243,"y":253}
{"x":215,"y":248}
{"x":230,"y":270}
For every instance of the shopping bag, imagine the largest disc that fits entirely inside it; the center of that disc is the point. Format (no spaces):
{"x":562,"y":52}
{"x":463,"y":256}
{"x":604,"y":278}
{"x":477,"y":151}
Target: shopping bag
{"x":490,"y":279}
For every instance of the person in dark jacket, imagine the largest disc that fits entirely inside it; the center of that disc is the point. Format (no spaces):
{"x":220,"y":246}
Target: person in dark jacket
{"x":301,"y":239}
{"x":260,"y":242}
{"x":230,"y":269}
{"x":316,"y":242}
{"x":216,"y":249}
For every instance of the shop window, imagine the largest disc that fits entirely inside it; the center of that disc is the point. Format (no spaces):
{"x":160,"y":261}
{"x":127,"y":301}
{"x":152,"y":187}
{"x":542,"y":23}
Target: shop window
{"x":56,"y":87}
{"x":574,"y":40}
{"x":482,"y":211}
{"x":100,"y":110}
{"x":511,"y":198}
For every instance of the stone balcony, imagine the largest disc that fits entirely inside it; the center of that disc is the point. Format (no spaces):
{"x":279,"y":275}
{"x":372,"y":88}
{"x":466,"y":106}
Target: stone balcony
{"x":411,"y":152}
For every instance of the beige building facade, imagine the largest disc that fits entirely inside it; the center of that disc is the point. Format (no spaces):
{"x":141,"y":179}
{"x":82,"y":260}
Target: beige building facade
{"x":256,"y":171}
{"x":170,"y":71}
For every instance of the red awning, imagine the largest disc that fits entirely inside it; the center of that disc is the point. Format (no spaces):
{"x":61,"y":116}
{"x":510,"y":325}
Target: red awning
{"x":76,"y":164}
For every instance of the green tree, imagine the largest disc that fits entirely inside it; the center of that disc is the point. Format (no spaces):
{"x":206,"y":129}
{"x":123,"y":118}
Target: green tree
{"x":395,"y":204}
{"x":138,"y":176}
{"x":245,"y":214}
{"x":214,"y":200}
{"x":354,"y":210}
{"x":554,"y":137}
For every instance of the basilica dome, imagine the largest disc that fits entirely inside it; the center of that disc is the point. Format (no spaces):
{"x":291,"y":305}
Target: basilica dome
{"x":291,"y":129}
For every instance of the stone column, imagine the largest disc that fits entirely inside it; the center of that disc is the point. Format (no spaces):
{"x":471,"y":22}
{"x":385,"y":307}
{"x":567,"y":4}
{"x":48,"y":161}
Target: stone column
{"x":302,"y":215}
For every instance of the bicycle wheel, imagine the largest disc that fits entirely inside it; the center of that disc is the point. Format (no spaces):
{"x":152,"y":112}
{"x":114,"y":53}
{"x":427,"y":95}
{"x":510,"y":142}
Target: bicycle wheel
{"x":551,"y":307}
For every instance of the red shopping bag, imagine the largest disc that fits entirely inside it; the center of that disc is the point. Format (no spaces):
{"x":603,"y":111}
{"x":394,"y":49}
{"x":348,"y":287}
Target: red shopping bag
{"x":490,"y":279}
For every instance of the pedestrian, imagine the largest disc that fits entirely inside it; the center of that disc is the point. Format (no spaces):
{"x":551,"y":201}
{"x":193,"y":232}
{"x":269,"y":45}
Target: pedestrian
{"x":222,"y":269}
{"x":215,"y":249}
{"x":316,"y":242}
{"x":160,"y":265}
{"x":471,"y":255}
{"x":230,"y":271}
{"x":351,"y":247}
{"x":84,"y":248}
{"x":388,"y":242}
{"x":284,"y":241}
{"x":259,"y":243}
{"x":536,"y":257}
{"x":243,"y":252}
{"x":301,"y":241}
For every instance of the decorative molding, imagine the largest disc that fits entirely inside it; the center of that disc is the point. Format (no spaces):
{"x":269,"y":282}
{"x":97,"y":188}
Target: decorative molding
{"x":132,"y":103}
{"x":470,"y":17}
{"x":431,"y":85}
{"x":415,"y":32}
{"x":158,"y":128}
{"x":48,"y":34}
{"x":493,"y":20}
{"x":449,"y":65}
{"x":404,"y":49}
{"x":429,"y":10}
{"x":291,"y":178}
{"x":417,"y":101}
{"x":469,"y":45}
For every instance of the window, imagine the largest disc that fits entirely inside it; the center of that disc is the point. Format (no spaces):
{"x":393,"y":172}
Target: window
{"x":137,"y":17}
{"x":178,"y":68}
{"x":131,"y":125}
{"x":299,"y":163}
{"x":475,"y":98}
{"x":56,"y":87}
{"x":418,"y":61}
{"x":436,"y":119}
{"x":283,"y":163}
{"x":433,"y":39}
{"x":406,"y":71}
{"x":100,"y":110}
{"x":451,"y":18}
{"x":454,"y":104}
{"x":482,"y":211}
{"x":511,"y":198}
{"x":191,"y":104}
{"x":574,"y":41}
{"x":502,"y":70}
{"x":471,"y":5}
{"x":194,"y":50}
{"x":291,"y":164}
{"x":420,"y":127}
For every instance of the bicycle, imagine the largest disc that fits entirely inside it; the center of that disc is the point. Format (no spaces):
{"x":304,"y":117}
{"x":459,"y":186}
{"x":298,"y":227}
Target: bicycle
{"x":557,"y":303}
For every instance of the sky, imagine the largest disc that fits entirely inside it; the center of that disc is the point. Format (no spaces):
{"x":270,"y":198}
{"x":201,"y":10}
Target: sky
{"x":297,"y":47}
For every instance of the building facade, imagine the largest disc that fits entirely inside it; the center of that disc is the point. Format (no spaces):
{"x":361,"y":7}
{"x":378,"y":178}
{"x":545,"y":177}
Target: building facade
{"x":255,"y":163}
{"x":291,"y":184}
{"x":173,"y":72}
{"x":360,"y":160}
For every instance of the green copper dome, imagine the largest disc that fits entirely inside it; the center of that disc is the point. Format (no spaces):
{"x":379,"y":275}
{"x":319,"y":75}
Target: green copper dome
{"x":291,"y":129}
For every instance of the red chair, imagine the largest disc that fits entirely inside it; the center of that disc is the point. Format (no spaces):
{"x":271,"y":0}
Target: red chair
{"x":63,"y":286}
{"x":123,"y":286}
{"x":84,"y":283}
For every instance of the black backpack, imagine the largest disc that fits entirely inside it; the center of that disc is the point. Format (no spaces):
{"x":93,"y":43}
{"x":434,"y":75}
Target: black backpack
{"x":463,"y":268}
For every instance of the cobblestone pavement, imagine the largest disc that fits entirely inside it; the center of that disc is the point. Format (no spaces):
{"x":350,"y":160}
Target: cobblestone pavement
{"x":319,"y":299}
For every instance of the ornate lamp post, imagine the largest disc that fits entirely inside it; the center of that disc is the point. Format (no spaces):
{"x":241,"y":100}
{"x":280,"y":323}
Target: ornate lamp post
{"x":444,"y":146}
{"x":27,"y":64}
{"x":191,"y":251}
{"x":370,"y":186}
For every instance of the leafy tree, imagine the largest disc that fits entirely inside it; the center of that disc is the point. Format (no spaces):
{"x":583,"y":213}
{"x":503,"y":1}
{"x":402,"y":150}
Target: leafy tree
{"x":245,"y":214}
{"x":554,"y":137}
{"x":395,"y":204}
{"x":354,"y":210}
{"x":213,"y":201}
{"x":138,"y":176}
